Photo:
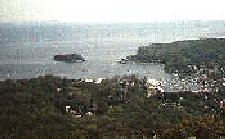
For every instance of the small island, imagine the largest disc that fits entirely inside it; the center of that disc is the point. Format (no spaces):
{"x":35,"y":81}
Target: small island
{"x":69,"y":58}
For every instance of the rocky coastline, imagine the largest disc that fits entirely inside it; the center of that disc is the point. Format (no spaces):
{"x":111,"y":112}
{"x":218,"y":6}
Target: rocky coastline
{"x":179,"y":54}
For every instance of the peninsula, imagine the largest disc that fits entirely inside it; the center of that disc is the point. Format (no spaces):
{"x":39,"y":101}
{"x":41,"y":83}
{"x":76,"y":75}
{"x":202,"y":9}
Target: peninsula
{"x":209,"y":52}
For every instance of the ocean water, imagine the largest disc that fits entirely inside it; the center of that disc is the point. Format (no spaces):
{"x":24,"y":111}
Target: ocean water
{"x":27,"y":50}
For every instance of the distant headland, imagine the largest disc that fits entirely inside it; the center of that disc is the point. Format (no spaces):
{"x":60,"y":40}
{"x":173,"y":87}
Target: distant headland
{"x":179,"y":54}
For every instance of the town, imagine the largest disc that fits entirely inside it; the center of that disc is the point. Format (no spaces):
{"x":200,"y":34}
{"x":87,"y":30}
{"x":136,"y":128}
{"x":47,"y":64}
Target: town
{"x":160,"y":107}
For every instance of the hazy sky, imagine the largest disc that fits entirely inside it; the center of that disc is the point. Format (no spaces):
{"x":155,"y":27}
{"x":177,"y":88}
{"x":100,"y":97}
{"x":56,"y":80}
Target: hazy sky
{"x":110,"y":10}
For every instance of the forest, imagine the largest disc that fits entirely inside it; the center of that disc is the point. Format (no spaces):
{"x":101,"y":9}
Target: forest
{"x":36,"y":107}
{"x":178,"y":55}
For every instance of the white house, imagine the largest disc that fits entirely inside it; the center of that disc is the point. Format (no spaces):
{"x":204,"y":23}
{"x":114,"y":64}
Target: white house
{"x":77,"y":115}
{"x":98,"y":80}
{"x":89,"y":113}
{"x":68,"y":108}
{"x":59,"y":89}
{"x":73,"y":112}
{"x":89,"y":80}
{"x":152,"y":87}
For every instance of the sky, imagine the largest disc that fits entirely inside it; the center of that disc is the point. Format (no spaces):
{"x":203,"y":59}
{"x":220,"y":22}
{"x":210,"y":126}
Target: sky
{"x":110,"y":11}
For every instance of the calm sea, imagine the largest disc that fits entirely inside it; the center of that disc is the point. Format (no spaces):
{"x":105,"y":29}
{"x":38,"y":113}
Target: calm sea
{"x":27,"y":50}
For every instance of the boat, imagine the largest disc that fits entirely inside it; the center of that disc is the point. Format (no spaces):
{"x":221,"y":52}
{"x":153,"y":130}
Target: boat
{"x":124,"y":61}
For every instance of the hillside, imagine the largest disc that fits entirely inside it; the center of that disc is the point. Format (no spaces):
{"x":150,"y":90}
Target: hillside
{"x":178,"y":55}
